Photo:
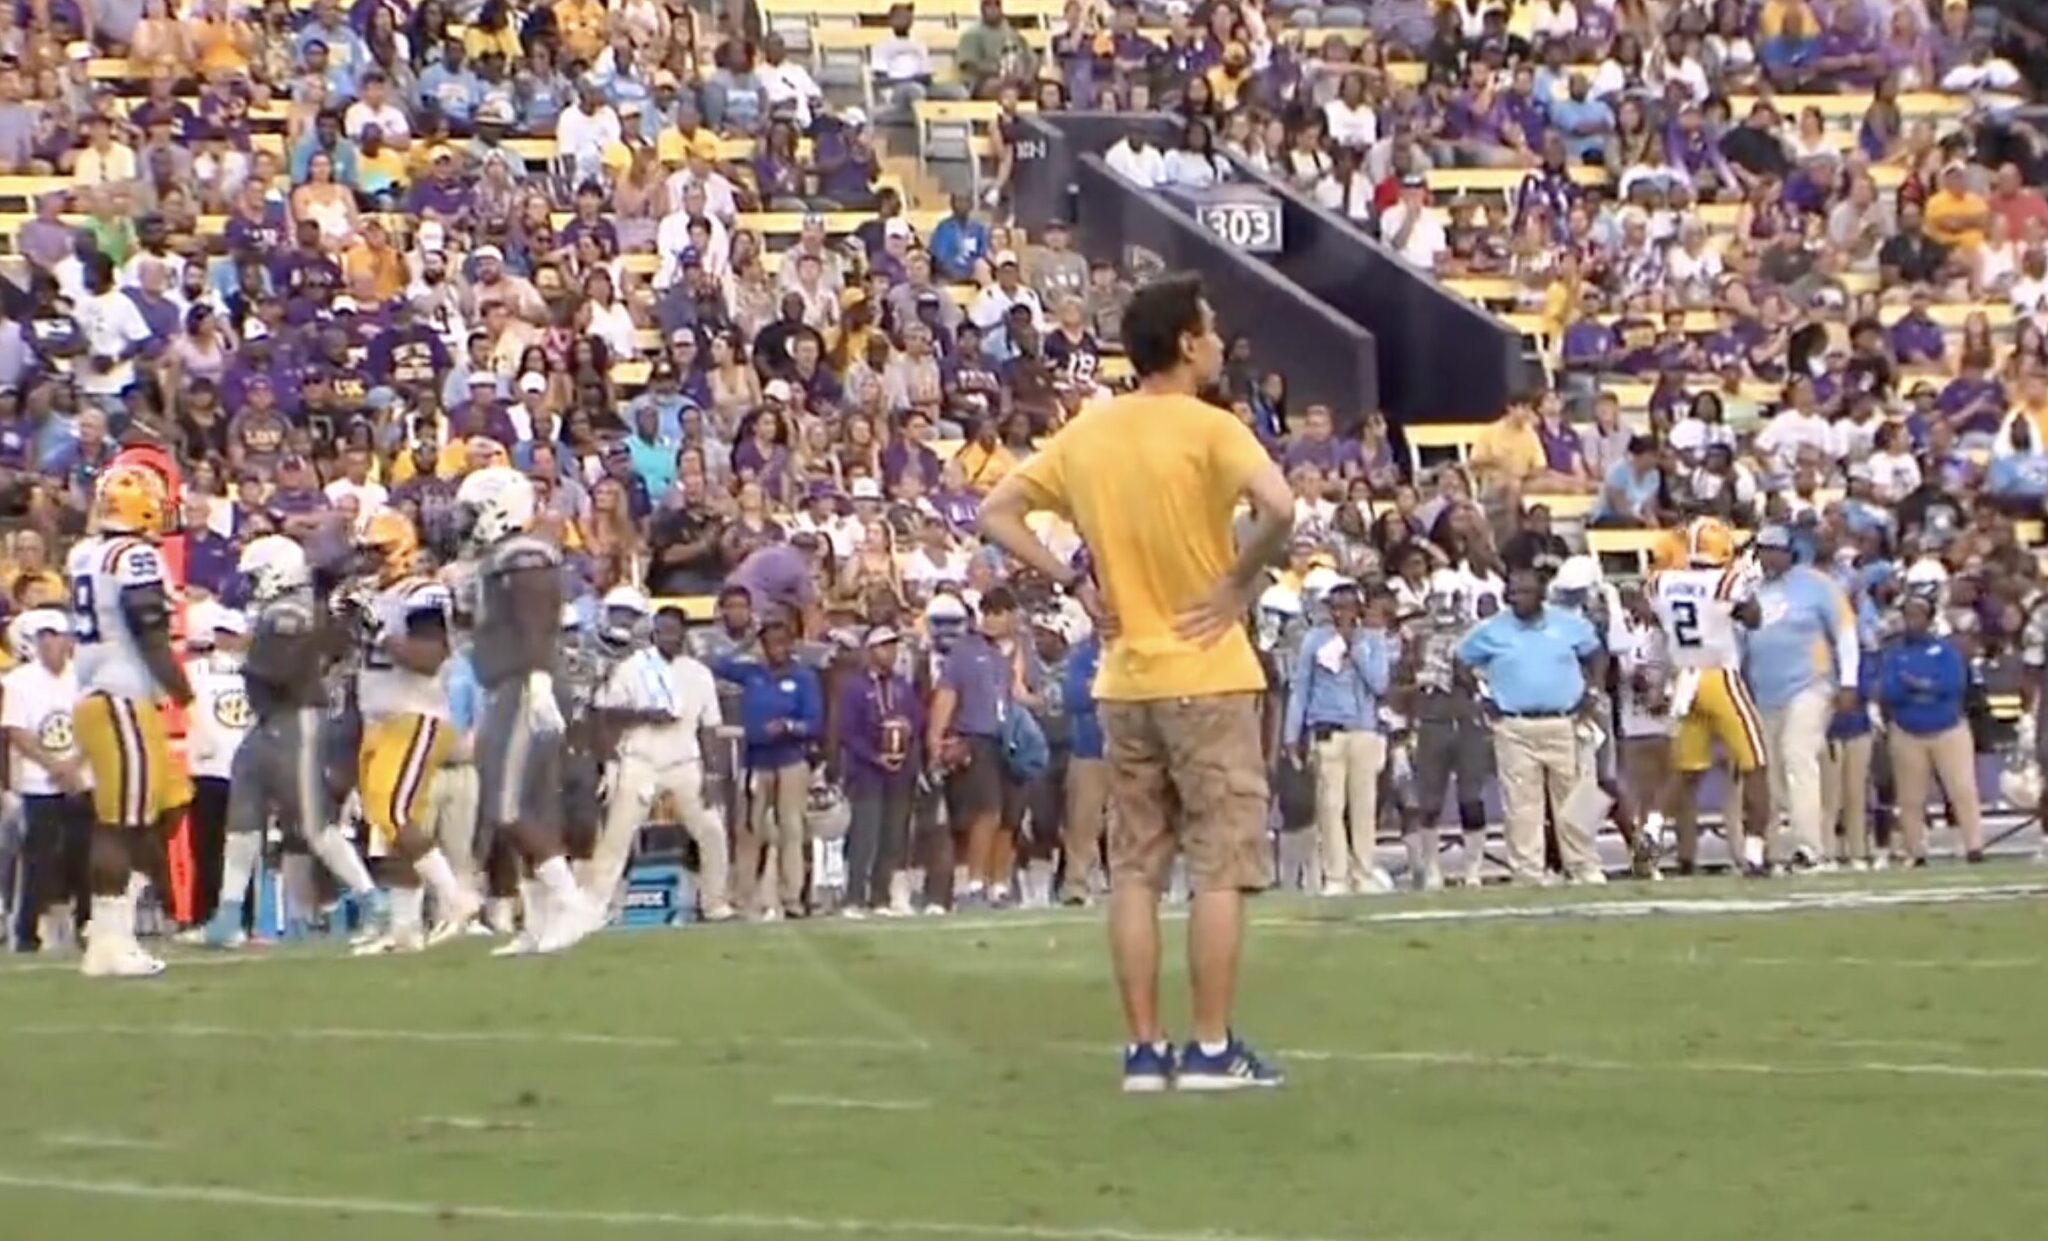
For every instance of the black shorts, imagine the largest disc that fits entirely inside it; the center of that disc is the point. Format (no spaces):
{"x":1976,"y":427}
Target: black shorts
{"x":976,"y":789}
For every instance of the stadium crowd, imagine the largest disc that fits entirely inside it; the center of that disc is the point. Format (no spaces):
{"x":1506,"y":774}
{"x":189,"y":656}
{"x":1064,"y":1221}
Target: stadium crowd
{"x":317,"y":255}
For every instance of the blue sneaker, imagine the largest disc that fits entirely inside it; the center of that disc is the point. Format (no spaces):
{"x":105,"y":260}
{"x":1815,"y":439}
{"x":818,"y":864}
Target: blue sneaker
{"x":1236,"y":1067}
{"x":225,"y":928}
{"x":1148,"y":1068}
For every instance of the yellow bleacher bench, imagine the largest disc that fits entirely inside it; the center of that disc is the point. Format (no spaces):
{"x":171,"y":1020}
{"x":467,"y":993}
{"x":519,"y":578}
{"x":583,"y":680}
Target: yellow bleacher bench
{"x":953,"y":11}
{"x":693,"y":607}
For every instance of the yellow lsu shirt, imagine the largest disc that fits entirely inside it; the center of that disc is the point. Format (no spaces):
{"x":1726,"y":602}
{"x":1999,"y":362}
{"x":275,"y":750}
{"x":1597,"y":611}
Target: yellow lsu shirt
{"x":1152,"y":484}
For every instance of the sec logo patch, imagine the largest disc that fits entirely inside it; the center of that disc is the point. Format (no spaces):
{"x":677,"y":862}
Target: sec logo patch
{"x":54,"y":733}
{"x":232,"y":710}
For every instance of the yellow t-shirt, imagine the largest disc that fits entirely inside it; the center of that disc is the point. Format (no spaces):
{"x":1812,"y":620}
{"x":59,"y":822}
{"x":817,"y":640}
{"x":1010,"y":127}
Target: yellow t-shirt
{"x":1507,"y":449}
{"x":1956,"y":219}
{"x":478,"y":43}
{"x":982,"y":468}
{"x":1158,"y":556}
{"x":581,"y":24}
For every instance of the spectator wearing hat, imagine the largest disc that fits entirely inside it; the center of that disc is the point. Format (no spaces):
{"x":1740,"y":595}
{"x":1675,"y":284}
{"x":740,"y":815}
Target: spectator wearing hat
{"x":1921,"y":684}
{"x":964,"y":751}
{"x":991,"y":308}
{"x":36,"y":700}
{"x":880,"y":729}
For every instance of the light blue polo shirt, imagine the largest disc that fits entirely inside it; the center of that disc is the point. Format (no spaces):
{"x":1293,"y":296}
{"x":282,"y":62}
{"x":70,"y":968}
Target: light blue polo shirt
{"x":1531,"y":667}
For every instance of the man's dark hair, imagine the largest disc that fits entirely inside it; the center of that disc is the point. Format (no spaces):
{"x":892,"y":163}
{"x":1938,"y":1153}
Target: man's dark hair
{"x":999,"y":601}
{"x":1156,"y":318}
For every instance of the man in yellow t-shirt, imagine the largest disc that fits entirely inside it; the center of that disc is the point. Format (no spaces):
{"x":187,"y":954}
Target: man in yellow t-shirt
{"x":1152,"y":481}
{"x":1509,"y":451}
{"x":1955,"y":215}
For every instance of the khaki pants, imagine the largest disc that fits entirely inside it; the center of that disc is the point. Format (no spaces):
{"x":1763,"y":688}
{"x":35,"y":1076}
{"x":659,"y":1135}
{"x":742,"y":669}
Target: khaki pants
{"x":1845,"y":796}
{"x":450,"y":820}
{"x":1348,"y":796}
{"x":1087,"y":815}
{"x":1949,"y":757}
{"x":776,"y":798}
{"x":1795,"y":742}
{"x":1539,"y":759}
{"x":636,"y":784}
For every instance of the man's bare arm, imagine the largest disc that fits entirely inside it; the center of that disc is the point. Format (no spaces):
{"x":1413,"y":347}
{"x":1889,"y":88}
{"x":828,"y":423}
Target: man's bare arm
{"x":1272,"y":502}
{"x":148,"y":613}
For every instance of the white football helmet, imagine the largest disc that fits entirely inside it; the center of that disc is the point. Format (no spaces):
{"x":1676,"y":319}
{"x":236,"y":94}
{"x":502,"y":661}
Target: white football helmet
{"x":275,"y":566}
{"x":502,"y":500}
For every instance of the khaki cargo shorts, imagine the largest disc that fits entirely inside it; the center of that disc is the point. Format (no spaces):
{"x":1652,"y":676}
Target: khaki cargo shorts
{"x":1188,"y":777}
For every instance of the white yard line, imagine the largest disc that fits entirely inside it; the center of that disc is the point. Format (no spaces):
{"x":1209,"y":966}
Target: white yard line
{"x":102,"y":1142}
{"x":1743,"y":1068}
{"x":474,"y":1124}
{"x":1441,"y":1057}
{"x":836,"y":1103}
{"x":679,"y":1223}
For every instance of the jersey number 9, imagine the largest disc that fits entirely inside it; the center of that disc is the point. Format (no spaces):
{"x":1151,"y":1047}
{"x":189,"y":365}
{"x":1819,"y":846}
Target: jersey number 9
{"x":85,"y":615}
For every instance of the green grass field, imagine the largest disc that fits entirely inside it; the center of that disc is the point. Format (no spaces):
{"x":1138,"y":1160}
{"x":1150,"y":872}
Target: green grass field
{"x":1861,"y":1072}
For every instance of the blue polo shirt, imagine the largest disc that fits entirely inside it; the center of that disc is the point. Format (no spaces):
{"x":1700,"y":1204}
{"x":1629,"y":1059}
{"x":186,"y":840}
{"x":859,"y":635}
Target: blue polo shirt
{"x":1531,"y":667}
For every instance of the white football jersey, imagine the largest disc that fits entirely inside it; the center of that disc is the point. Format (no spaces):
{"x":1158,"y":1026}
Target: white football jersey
{"x":1640,"y":648}
{"x":109,"y":657}
{"x":1697,"y":610}
{"x":384,"y":688}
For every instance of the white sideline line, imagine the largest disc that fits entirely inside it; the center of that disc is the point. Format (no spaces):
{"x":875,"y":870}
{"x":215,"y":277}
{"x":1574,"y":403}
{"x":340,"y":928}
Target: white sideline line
{"x":102,"y":1142}
{"x":1354,"y":916}
{"x":473,"y":1124}
{"x":1433,"y":1058}
{"x":835,"y":1103}
{"x":354,"y":1034}
{"x":1745,"y":1068}
{"x":678,"y":1222}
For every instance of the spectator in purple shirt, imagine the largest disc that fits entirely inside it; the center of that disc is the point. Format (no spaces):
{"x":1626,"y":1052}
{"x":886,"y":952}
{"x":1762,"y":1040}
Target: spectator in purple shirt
{"x":588,"y":221}
{"x":1320,"y":446}
{"x":1916,"y":339}
{"x":482,"y":414}
{"x":1973,"y":403}
{"x":1846,"y":55}
{"x":444,"y":193}
{"x":305,"y":275}
{"x":777,"y":579}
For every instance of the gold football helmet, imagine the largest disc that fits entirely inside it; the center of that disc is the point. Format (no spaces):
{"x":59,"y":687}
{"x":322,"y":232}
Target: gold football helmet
{"x":128,"y":499}
{"x":389,"y":536}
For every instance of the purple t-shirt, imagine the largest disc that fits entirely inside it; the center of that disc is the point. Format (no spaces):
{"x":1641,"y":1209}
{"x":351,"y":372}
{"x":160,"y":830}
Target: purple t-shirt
{"x":1561,"y":446}
{"x":775,"y":576}
{"x":1329,"y":455}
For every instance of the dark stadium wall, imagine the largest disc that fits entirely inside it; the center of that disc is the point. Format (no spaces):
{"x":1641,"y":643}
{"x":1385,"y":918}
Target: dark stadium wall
{"x":1438,"y":357}
{"x":1325,"y":356}
{"x":1442,"y":359}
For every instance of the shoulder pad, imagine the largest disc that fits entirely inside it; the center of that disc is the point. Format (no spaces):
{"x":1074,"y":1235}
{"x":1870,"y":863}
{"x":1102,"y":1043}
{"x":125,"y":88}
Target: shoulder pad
{"x":522,"y":554}
{"x":288,"y":619}
{"x":135,"y":564}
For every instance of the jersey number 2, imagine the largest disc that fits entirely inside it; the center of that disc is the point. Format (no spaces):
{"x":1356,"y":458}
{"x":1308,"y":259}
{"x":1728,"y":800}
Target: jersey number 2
{"x":85,"y":617}
{"x":1685,"y":623}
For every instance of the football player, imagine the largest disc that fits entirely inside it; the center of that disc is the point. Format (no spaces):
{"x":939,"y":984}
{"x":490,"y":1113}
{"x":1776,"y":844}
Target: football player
{"x":404,"y":634}
{"x":121,"y":617}
{"x":278,"y":767}
{"x":1702,"y":608}
{"x":521,"y":739}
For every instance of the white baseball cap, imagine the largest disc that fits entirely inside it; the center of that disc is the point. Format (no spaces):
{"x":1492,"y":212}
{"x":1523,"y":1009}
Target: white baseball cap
{"x":629,"y":598}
